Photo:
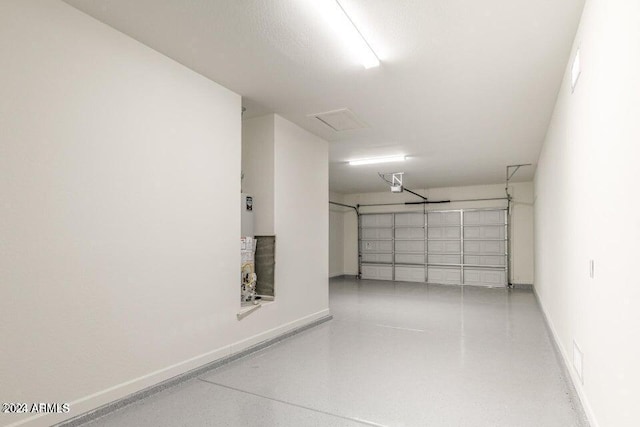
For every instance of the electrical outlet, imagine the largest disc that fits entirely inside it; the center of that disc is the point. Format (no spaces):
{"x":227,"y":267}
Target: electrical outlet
{"x":591,"y":268}
{"x":578,"y":361}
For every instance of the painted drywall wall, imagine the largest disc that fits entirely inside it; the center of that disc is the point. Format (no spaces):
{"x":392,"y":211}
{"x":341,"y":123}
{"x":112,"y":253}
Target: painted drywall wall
{"x":586,"y":209}
{"x":119,"y":224}
{"x":301,"y":218}
{"x":336,"y":236}
{"x":258,"y":170}
{"x":521,"y":218}
{"x":277,"y":157}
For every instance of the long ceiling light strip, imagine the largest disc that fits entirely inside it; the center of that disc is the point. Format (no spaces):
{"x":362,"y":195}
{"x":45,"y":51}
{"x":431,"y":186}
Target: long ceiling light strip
{"x":375,"y":160}
{"x":359,"y":44}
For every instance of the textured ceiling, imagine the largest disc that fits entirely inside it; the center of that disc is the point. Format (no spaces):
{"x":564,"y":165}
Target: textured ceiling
{"x":465,"y":87}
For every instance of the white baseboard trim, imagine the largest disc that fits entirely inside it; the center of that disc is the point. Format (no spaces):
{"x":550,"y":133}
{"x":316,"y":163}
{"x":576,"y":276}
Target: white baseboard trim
{"x":571,"y":378}
{"x":108,"y":400}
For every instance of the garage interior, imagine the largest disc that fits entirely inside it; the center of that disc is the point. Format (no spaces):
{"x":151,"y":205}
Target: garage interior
{"x":434,"y":200}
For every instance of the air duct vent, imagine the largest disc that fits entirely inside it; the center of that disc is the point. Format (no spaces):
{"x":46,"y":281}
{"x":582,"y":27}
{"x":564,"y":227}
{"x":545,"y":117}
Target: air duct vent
{"x":339,"y":120}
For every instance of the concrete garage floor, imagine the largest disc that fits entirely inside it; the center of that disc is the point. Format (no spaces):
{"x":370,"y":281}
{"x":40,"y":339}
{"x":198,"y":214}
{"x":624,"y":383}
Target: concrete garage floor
{"x":395,"y":354}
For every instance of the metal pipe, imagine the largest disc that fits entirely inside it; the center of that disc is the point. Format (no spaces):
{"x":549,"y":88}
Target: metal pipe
{"x":508,"y":177}
{"x":507,"y":231}
{"x":432,"y":201}
{"x":462,"y":247}
{"x":427,"y":202}
{"x":344,"y":206}
{"x":414,"y":193}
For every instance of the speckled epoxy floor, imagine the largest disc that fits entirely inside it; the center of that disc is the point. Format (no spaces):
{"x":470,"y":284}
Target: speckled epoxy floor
{"x":395,"y":354}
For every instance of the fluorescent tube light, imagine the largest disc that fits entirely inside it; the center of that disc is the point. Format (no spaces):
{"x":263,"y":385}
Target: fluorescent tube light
{"x":374,"y":160}
{"x":346,"y":29}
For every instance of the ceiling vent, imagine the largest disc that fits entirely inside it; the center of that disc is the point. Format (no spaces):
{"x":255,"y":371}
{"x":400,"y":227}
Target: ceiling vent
{"x":340,"y":120}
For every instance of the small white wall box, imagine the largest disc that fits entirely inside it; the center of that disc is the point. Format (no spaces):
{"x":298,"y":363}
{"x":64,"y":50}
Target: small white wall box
{"x":246,"y":215}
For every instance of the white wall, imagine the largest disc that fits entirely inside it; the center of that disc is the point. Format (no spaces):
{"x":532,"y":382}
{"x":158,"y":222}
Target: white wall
{"x":336,"y":235}
{"x":258,"y":168}
{"x":119,"y":245}
{"x":285,"y":169}
{"x":301,"y":218}
{"x":521,"y":219}
{"x":586,"y":208}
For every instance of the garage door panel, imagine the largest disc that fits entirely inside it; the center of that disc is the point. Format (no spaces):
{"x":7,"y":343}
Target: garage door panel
{"x":444,"y":275}
{"x":410,"y":219}
{"x":485,"y":259}
{"x":484,"y":232}
{"x":378,"y":220}
{"x":377,"y":272}
{"x":409,"y":258}
{"x":409,"y":274}
{"x":376,"y":233}
{"x":485,"y":217}
{"x":378,"y":258}
{"x":443,"y":218}
{"x":484,"y":277}
{"x":410,"y":233}
{"x":443,"y":233}
{"x":376,"y":246}
{"x":435,"y":246}
{"x":444,"y":259}
{"x":487,"y":247}
{"x":409,"y":246}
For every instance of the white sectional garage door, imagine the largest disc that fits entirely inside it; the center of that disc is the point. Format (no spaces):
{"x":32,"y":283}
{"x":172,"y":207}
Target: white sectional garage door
{"x":447,"y":247}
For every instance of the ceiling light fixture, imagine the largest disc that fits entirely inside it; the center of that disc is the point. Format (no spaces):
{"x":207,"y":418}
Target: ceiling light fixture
{"x":375,"y":160}
{"x":344,"y":26}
